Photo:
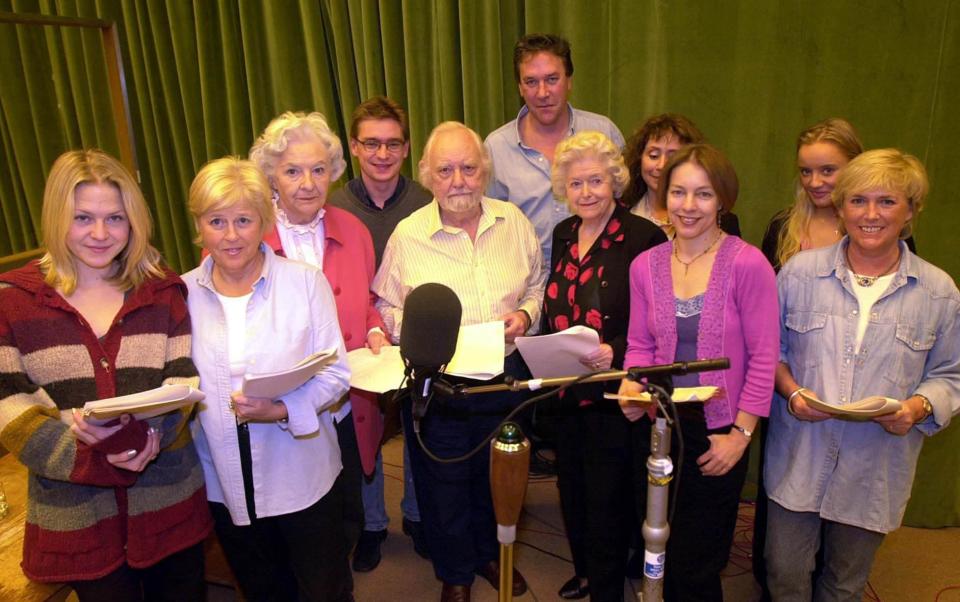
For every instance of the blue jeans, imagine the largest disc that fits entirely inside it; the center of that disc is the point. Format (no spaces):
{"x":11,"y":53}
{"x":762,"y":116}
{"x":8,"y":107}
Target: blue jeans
{"x":374,"y":507}
{"x":792,"y":542}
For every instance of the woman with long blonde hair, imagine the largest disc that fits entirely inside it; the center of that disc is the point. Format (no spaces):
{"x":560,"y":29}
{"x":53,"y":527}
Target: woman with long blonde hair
{"x":116,"y":510}
{"x":811,"y":222}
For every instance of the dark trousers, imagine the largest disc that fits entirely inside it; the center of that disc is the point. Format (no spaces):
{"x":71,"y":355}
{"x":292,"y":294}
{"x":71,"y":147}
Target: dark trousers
{"x":178,"y":577}
{"x":352,"y":476}
{"x":297,"y":556}
{"x":612,"y":516}
{"x":456,"y":508}
{"x":760,"y":518}
{"x":702,"y":529}
{"x":570,"y":447}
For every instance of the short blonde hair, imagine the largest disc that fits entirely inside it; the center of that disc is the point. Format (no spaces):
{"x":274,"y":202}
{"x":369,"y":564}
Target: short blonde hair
{"x":297,"y":126}
{"x":588,"y":145}
{"x":885,"y":169}
{"x":425,"y":176}
{"x":227,"y":182}
{"x":136,"y":263}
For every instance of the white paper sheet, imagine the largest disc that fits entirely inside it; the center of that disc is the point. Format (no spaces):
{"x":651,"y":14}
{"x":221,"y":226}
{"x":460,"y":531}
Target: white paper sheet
{"x":375,"y":373}
{"x":867,"y":407}
{"x":479,"y":352}
{"x":143,"y":405}
{"x":680,"y":395}
{"x":273,"y":385}
{"x":558,"y":354}
{"x":479,"y":355}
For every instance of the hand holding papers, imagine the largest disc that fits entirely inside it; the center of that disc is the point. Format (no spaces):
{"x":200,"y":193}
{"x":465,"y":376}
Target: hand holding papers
{"x":272,"y":385}
{"x":558,"y":354}
{"x":867,"y":407}
{"x":143,"y":405}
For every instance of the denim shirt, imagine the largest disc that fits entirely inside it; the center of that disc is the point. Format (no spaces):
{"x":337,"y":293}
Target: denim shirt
{"x":854,"y":472}
{"x":521,"y":174}
{"x":290,"y":315}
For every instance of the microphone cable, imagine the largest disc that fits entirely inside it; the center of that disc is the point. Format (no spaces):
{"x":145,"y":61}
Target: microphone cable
{"x":672,"y":416}
{"x":486,"y":440}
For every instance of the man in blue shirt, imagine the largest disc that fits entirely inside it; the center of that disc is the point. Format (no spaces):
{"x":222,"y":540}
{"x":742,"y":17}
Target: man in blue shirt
{"x":522,"y":149}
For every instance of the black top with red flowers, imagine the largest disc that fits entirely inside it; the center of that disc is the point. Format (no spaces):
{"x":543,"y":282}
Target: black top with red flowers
{"x":591,"y":287}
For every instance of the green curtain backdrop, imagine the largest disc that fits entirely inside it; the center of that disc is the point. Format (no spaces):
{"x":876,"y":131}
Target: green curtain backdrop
{"x":205,"y":76}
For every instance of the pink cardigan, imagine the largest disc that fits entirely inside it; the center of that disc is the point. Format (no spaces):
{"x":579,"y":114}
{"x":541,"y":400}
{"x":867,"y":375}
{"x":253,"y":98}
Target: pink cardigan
{"x":348,"y":264}
{"x":740,"y":320}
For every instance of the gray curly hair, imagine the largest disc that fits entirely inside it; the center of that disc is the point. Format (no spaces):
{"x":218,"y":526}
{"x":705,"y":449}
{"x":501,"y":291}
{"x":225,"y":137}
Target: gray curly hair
{"x":294,"y":126}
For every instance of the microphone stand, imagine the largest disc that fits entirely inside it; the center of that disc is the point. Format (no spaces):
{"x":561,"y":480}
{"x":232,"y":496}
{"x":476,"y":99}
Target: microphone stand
{"x":635,"y":373}
{"x":509,"y":468}
{"x":656,"y":529}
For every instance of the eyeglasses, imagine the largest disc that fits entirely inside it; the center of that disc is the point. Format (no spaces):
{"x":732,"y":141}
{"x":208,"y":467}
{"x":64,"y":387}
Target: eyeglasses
{"x":372,"y":145}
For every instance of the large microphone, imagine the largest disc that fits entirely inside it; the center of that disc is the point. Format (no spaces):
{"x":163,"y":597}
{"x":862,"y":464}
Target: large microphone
{"x":428,"y":338}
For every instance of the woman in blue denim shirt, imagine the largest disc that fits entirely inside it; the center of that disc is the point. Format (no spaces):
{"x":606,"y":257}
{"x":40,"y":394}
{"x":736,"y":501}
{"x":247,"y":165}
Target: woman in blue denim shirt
{"x":859,"y":318}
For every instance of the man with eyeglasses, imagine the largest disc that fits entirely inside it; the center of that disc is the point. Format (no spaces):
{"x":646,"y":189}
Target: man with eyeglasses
{"x":486,"y":251}
{"x":522,"y":149}
{"x":380,"y":197}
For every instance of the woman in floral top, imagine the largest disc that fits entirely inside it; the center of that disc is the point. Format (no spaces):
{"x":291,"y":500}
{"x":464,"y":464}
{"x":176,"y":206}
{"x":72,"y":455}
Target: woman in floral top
{"x":589,"y":286}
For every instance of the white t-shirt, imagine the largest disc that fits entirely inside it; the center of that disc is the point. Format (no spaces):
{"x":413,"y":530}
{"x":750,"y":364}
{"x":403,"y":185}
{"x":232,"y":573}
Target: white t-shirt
{"x":866,"y":297}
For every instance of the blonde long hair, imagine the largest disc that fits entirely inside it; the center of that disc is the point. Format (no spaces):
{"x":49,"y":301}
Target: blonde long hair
{"x":835,"y":131}
{"x":136,"y":263}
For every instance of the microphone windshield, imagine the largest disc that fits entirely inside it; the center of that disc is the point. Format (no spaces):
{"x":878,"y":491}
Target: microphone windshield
{"x":431,"y":323}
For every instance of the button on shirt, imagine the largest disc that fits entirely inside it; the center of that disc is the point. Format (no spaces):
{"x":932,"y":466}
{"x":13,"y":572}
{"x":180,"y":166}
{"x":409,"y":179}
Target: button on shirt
{"x":290,"y":315}
{"x":521,"y":174}
{"x":855,"y":472}
{"x":498,"y":273}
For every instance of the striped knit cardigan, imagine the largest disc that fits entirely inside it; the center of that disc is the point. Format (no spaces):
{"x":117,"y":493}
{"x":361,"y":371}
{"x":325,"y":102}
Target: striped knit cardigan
{"x":85,"y":517}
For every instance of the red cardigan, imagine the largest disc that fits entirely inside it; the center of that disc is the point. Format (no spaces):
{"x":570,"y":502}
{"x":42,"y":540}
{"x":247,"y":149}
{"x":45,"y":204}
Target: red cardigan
{"x":348,"y":264}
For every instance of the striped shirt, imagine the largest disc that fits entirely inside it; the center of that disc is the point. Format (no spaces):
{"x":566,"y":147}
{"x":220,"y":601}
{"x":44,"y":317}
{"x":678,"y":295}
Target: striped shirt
{"x":498,"y":273}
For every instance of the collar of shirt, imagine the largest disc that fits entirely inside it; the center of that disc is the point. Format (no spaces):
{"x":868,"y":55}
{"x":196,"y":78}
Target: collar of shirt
{"x":835,"y":264}
{"x":308,"y":228}
{"x":489,"y":215}
{"x":261,"y":284}
{"x":359,"y":190}
{"x":571,"y":117}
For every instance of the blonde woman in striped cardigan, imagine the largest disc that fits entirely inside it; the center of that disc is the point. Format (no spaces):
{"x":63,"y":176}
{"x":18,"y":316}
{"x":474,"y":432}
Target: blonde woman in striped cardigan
{"x":115,"y":510}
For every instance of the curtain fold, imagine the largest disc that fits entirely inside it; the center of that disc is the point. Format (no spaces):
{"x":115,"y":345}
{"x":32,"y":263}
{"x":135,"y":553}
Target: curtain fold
{"x":204,"y":77}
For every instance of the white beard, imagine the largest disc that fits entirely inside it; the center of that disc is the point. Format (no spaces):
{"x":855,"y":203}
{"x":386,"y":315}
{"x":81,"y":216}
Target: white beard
{"x":460,"y":203}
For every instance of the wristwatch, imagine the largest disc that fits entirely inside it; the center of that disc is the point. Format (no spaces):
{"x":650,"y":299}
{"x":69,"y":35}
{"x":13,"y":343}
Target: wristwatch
{"x":927,"y":406}
{"x":745,"y":432}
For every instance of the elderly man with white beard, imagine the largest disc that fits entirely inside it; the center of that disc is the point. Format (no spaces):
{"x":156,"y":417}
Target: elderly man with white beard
{"x":486,"y":251}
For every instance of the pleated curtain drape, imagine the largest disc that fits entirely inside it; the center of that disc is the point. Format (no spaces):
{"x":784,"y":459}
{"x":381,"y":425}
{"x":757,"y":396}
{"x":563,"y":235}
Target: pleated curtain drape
{"x":205,"y":76}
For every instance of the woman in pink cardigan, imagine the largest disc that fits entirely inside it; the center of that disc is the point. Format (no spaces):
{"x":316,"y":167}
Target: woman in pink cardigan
{"x":705,"y":294}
